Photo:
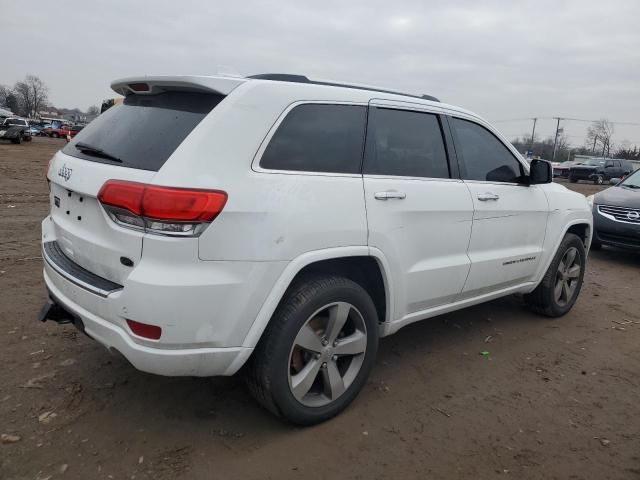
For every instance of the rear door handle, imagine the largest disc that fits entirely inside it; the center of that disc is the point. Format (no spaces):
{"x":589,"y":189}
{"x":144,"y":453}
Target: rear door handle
{"x":483,"y":197}
{"x":389,"y":195}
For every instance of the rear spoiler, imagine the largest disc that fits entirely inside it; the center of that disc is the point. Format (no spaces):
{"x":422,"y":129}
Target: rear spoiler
{"x":190,"y":83}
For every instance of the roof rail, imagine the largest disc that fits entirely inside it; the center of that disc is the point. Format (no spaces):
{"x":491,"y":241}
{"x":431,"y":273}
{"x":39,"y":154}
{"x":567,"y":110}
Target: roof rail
{"x":286,"y":77}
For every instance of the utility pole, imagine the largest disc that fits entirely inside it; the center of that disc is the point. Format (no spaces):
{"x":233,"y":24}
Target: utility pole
{"x":555,"y":141}
{"x":533,"y":133}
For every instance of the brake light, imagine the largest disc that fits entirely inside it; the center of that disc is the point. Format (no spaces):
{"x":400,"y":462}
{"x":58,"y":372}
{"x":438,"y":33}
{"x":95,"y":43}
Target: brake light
{"x":163,"y":210}
{"x":139,"y":87}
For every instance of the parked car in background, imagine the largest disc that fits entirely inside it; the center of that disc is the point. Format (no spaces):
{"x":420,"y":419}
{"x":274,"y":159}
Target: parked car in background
{"x":228,"y":222}
{"x":561,"y":169}
{"x":616,"y":214}
{"x":15,"y":129}
{"x":35,"y":130}
{"x":60,"y":131}
{"x":73,"y":131}
{"x":600,"y":170}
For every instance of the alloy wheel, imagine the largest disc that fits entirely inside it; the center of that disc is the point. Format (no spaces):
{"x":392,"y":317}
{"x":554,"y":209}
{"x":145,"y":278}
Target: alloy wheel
{"x":327,"y":354}
{"x":567,"y":276}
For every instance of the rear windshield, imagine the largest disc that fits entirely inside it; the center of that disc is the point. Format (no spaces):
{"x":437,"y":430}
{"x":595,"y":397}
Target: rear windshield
{"x":144,"y":130}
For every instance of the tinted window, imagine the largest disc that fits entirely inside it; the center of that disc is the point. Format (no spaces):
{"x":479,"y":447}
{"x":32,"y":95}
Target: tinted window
{"x":485,"y":157}
{"x":318,"y":138}
{"x":405,"y":143}
{"x":144,"y":130}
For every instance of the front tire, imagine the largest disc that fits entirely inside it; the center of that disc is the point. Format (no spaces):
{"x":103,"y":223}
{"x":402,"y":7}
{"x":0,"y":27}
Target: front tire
{"x":317,"y":351}
{"x":598,"y":179}
{"x":572,"y":180}
{"x":562,"y":282}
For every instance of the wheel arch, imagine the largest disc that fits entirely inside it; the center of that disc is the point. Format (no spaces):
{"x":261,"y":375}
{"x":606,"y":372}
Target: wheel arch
{"x":365,"y":266}
{"x":582,"y":230}
{"x":578,"y":225}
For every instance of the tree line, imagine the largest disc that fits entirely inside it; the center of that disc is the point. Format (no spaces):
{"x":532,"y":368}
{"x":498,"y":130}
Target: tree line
{"x":597,"y":143}
{"x":30,"y":96}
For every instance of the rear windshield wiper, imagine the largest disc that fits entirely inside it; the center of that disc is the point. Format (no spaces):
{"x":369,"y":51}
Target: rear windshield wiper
{"x":630,"y":185}
{"x":95,"y":151}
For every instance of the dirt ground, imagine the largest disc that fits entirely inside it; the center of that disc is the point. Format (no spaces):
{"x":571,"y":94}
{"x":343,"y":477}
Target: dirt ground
{"x":554,"y":399}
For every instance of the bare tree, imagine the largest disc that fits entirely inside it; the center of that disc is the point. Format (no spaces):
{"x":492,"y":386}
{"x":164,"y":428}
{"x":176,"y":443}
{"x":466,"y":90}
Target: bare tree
{"x":543,"y":147}
{"x":8,"y":98}
{"x":599,"y":137}
{"x":93,"y":110}
{"x":32,"y":95}
{"x":562,"y":145}
{"x":5,"y":92}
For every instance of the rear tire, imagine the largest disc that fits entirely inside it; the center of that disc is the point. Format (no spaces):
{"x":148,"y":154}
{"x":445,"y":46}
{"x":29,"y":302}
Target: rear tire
{"x":17,"y":140}
{"x":572,"y":180}
{"x":55,"y":135}
{"x":312,"y":383}
{"x":562,"y":282}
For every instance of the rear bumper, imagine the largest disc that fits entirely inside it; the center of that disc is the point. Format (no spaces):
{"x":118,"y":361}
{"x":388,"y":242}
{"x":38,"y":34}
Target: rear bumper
{"x":204,"y":308}
{"x":170,"y":362}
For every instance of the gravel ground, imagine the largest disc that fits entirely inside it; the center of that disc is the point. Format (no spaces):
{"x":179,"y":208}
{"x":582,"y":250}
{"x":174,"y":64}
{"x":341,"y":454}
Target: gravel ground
{"x":553,"y":399}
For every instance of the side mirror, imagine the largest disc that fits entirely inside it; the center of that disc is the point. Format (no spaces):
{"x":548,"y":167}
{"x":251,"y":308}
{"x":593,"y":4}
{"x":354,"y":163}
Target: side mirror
{"x":540,"y":171}
{"x":615,"y":181}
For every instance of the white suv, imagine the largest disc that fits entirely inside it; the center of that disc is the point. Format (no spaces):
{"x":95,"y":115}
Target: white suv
{"x":283,"y":225}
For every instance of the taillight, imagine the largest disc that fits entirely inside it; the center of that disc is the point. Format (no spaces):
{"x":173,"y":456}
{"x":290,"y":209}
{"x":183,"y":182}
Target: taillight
{"x":162,"y":210}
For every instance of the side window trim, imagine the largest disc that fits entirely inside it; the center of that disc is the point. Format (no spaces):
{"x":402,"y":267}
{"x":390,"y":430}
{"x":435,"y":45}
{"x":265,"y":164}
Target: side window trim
{"x":444,"y":132}
{"x":450,"y":144}
{"x":257,"y":157}
{"x":460,"y":156}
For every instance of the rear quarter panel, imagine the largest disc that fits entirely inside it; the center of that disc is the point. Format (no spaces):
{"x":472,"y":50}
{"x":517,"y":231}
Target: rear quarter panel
{"x":269,"y":216}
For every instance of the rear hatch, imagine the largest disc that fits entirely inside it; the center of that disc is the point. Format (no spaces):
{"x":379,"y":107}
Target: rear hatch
{"x":129,"y":142}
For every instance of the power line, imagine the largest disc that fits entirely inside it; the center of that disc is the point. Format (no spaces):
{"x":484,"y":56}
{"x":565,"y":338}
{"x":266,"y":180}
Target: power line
{"x":515,"y":120}
{"x":591,"y":121}
{"x":563,"y":118}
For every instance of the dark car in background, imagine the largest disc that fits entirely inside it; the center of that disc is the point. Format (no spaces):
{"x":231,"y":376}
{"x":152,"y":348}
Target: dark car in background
{"x":561,"y":169}
{"x":599,"y":170}
{"x":616,"y":214}
{"x":15,"y":129}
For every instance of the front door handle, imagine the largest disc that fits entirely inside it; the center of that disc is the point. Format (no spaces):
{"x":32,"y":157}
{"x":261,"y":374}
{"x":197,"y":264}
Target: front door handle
{"x":389,"y":195}
{"x":483,"y":197}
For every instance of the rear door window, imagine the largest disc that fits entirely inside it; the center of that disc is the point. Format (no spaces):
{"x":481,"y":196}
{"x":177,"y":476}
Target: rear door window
{"x":485,"y":158}
{"x":405,"y":143}
{"x":144,"y":130}
{"x":318,"y":138}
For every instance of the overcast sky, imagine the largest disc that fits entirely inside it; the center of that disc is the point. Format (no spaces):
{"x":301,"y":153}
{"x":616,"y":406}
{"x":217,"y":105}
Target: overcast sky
{"x":501,"y":59}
